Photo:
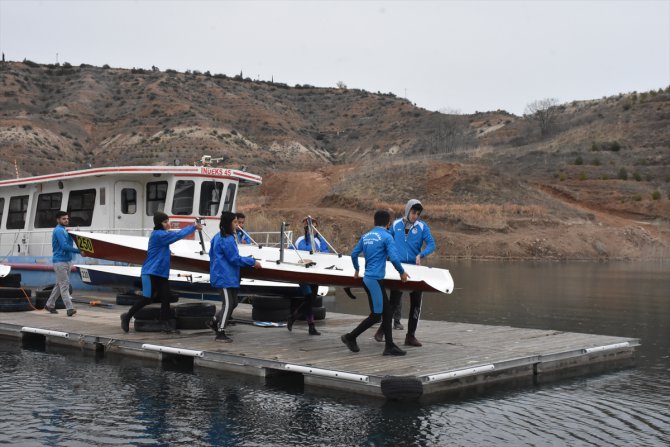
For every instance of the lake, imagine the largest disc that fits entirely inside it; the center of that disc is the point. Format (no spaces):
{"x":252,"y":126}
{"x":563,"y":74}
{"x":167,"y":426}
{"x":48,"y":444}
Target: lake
{"x":65,"y":397}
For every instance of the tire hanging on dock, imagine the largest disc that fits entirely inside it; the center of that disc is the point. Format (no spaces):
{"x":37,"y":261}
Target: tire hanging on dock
{"x":401,"y":388}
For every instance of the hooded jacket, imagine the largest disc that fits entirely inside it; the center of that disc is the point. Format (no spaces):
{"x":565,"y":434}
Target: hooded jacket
{"x":409,"y":244}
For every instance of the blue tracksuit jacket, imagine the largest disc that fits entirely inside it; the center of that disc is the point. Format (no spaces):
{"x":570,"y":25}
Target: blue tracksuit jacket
{"x":377,"y":245}
{"x":408,"y":246}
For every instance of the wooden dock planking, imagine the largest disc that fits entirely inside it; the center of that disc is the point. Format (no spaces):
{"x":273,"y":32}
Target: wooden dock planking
{"x":506,"y":351}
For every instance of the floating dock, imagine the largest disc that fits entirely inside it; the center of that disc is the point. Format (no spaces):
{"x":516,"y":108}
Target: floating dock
{"x":455,"y":357}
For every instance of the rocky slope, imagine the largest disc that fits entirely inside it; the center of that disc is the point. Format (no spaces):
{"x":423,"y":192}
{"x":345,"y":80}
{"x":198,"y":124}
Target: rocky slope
{"x":596,"y":185}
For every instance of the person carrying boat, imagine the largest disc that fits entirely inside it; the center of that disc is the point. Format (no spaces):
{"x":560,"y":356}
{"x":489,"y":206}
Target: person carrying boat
{"x":240,"y":235}
{"x":304,"y":243}
{"x":156,"y":270}
{"x":377,"y":246}
{"x":410,"y":235}
{"x":224,"y":270}
{"x":63,"y":250}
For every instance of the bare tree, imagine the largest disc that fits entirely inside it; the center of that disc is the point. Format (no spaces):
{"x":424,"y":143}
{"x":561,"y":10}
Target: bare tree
{"x":544,"y":111}
{"x":341,"y":84}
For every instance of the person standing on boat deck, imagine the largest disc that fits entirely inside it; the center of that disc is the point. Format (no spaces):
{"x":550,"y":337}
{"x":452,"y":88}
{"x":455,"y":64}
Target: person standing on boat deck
{"x":63,"y":249}
{"x":240,"y":235}
{"x":410,"y":235}
{"x":224,"y":271}
{"x":304,"y":243}
{"x":376,"y":245}
{"x":156,"y":270}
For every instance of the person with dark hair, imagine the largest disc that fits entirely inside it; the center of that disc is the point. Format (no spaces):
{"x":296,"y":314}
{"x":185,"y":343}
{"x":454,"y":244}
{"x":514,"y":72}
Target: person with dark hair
{"x":156,"y":270}
{"x":63,"y":249}
{"x":224,"y":270}
{"x":377,"y":246}
{"x":240,"y":235}
{"x":410,"y":235}
{"x":304,"y":243}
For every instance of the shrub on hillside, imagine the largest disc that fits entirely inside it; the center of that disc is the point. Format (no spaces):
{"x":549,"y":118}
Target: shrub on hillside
{"x":656,"y":195}
{"x":579,"y":160}
{"x":623,"y":174}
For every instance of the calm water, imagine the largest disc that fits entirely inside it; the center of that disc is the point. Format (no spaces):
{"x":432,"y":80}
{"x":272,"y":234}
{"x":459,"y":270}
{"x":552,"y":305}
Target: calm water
{"x":65,"y":397}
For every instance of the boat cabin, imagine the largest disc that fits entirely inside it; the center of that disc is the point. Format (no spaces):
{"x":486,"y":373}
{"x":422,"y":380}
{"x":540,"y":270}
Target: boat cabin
{"x":119,"y":200}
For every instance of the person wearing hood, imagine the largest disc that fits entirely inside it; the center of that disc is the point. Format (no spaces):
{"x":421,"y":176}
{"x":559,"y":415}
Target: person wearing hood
{"x":156,"y":270}
{"x":413,"y":242}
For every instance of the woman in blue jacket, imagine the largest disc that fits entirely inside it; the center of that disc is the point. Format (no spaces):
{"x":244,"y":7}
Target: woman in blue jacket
{"x":377,"y":245}
{"x":224,"y":271}
{"x":156,"y":270}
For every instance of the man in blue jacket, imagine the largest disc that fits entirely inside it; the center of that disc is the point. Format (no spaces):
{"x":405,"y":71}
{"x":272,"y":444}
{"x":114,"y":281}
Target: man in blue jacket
{"x":377,"y":246}
{"x":413,"y":242}
{"x":63,"y":249}
{"x":156,"y":270}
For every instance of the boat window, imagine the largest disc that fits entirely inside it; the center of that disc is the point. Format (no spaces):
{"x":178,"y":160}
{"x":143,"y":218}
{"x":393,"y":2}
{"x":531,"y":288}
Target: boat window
{"x":128,"y":200}
{"x":2,"y":209}
{"x":16,"y":215}
{"x":47,"y":207}
{"x":182,"y":204}
{"x":156,"y":194}
{"x":230,"y":197}
{"x":210,"y":197}
{"x":80,"y":207}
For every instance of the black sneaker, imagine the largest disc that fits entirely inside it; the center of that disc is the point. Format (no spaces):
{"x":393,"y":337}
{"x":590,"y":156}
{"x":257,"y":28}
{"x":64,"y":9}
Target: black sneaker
{"x":212,"y":324}
{"x":51,"y":310}
{"x":313,"y":331}
{"x":397,"y":325}
{"x":221,"y":336}
{"x":125,"y":322}
{"x":394,"y":350}
{"x":289,"y":323}
{"x":168,"y":329}
{"x":71,"y":312}
{"x":348,"y":340}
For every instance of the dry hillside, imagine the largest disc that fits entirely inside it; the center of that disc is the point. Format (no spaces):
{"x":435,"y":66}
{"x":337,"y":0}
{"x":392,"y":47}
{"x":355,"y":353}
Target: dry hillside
{"x":595,"y":186}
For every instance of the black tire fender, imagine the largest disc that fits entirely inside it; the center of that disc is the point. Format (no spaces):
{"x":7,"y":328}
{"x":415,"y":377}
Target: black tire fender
{"x":401,"y":388}
{"x":195,"y":310}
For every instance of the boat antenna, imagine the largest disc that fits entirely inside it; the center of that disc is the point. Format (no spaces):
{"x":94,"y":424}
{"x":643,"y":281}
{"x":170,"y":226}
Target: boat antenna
{"x":198,"y":220}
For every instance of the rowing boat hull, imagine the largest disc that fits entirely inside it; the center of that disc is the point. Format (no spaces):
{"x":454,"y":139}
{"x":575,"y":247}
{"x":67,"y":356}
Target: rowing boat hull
{"x":294,"y":266}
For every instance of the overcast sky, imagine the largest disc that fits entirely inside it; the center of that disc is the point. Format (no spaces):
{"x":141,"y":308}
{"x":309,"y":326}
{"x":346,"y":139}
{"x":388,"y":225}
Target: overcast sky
{"x":441,"y":55}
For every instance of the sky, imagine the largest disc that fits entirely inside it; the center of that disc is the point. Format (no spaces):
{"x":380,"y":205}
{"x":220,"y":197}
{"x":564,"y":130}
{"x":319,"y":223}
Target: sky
{"x":452,"y":56}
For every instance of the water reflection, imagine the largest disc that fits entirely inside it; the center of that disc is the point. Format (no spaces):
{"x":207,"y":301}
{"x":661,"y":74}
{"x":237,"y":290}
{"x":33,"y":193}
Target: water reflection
{"x":65,"y":397}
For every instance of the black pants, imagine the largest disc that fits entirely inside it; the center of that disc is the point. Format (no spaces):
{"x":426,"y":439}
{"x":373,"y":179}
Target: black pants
{"x":160,"y":293}
{"x":386,"y":316}
{"x":414,"y":308}
{"x":228,"y":304}
{"x":306,"y":303}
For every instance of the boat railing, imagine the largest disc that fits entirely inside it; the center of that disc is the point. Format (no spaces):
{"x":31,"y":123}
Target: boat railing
{"x":269,"y":238}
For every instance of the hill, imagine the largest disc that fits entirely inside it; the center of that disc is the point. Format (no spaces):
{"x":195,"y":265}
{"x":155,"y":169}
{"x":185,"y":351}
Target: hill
{"x":594,"y":185}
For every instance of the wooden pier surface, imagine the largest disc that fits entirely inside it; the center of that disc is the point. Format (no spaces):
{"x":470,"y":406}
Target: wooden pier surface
{"x":454,"y":356}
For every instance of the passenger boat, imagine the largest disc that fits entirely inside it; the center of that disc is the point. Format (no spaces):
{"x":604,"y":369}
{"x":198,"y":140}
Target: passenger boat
{"x":115,"y":200}
{"x":278,"y":263}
